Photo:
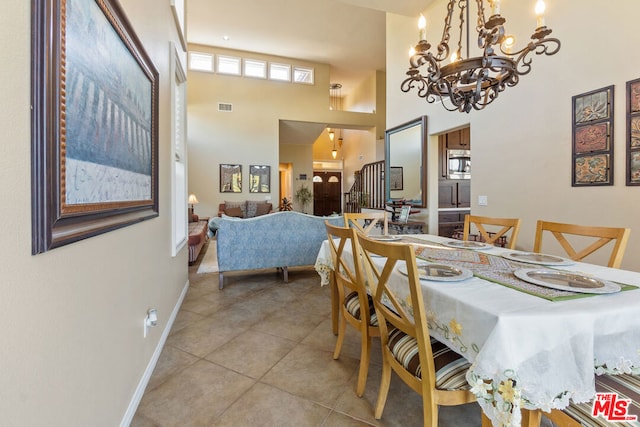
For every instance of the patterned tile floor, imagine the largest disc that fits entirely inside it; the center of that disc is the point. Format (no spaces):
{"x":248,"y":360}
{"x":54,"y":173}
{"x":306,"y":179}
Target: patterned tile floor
{"x":259,"y":353}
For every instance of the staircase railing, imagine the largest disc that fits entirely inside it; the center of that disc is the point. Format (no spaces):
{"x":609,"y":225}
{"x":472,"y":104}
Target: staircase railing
{"x":368,"y":189}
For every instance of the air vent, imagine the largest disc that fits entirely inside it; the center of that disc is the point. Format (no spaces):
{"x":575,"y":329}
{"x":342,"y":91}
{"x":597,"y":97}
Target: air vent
{"x":223,"y":106}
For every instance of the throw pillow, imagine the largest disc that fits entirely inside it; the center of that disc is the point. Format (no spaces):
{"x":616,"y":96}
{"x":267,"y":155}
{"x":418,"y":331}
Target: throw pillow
{"x":263,"y":209}
{"x":236,"y":212}
{"x":242,"y":205}
{"x":252,"y":207}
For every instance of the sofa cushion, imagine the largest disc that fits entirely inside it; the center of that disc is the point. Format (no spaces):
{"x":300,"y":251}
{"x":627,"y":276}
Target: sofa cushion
{"x":242,"y":205}
{"x":263,"y":208}
{"x":235,"y":212}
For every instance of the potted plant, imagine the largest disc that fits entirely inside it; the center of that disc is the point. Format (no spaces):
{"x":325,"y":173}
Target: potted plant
{"x":303,"y":196}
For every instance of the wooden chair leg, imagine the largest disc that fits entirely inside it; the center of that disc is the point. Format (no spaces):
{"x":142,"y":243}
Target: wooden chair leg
{"x":341,"y":333}
{"x":335,"y":304}
{"x":365,"y":356}
{"x":531,"y":418}
{"x":385,"y":381}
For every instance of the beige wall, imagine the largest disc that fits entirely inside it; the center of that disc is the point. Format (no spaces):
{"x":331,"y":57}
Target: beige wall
{"x":521,"y":144}
{"x":73,"y":350}
{"x":250,"y":135}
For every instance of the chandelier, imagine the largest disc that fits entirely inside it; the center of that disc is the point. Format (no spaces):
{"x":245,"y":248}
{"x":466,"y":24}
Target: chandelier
{"x":469,"y":83}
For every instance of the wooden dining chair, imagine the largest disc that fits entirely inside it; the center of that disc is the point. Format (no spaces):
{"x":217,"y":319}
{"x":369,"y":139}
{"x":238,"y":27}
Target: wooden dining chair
{"x":493,"y":235}
{"x":619,"y":237}
{"x":356,"y":305}
{"x":580,"y":414}
{"x":365,"y":222}
{"x":426,"y":365}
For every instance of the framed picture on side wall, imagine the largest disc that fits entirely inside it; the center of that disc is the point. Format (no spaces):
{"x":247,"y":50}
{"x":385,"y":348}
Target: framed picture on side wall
{"x":94,"y":123}
{"x":633,"y":132}
{"x":395,"y":178}
{"x":592,"y":136}
{"x":230,"y":178}
{"x":259,"y":179}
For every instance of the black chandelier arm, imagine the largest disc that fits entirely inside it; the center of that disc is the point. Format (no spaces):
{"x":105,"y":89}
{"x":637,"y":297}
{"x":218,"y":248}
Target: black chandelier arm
{"x":548,"y":47}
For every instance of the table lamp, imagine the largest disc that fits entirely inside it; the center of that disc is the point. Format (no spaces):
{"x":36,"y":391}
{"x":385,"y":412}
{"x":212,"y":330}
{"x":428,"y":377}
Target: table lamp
{"x":192,"y":201}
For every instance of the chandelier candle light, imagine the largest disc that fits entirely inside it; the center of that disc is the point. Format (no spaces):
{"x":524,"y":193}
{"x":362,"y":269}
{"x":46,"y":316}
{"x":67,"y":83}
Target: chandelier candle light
{"x":469,"y":83}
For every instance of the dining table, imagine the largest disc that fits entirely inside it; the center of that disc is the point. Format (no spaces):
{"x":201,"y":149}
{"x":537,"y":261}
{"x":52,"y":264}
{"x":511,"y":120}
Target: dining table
{"x":533,"y":345}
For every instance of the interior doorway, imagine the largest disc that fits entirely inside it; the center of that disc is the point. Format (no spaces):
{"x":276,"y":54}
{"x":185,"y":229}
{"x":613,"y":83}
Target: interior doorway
{"x":327,"y":191}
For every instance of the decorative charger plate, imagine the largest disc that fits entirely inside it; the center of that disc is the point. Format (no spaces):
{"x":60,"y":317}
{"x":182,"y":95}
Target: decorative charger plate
{"x":439,"y":272}
{"x":462,"y":244}
{"x":540,"y":259}
{"x":566,"y":281}
{"x":386,"y":238}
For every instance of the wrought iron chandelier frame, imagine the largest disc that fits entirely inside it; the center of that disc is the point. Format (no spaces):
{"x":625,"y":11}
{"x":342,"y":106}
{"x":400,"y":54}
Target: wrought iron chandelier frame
{"x":473,"y":83}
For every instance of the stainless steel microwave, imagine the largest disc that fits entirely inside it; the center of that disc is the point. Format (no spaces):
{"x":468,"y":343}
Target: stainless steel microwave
{"x":459,"y":164}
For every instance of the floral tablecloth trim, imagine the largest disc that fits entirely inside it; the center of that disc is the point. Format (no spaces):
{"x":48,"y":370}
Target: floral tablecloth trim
{"x":623,"y":366}
{"x":324,"y":270}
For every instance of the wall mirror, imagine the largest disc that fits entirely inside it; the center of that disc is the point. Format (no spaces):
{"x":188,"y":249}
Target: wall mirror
{"x":406,"y":162}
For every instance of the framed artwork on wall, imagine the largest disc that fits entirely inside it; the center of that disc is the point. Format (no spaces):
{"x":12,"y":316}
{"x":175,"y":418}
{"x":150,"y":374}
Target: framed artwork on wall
{"x":94,"y":123}
{"x":259,"y":179}
{"x":633,"y":132}
{"x":230,"y":178}
{"x":395,"y":178}
{"x":592,"y":147}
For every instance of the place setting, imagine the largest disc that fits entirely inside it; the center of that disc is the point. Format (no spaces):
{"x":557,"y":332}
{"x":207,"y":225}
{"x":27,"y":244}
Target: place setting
{"x":438,"y":272}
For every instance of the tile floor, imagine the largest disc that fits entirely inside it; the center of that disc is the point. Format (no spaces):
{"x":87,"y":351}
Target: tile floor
{"x":259,"y":353}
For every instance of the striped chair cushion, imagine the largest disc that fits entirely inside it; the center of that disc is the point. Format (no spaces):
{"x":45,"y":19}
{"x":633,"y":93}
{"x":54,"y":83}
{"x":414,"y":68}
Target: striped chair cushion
{"x":451,"y":368}
{"x":627,"y":387}
{"x":352,"y":304}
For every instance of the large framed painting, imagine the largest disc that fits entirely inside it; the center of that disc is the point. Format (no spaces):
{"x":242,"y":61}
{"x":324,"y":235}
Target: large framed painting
{"x":592,"y":150}
{"x":94,"y":123}
{"x":259,"y":179}
{"x":230,"y":178}
{"x":633,"y":132}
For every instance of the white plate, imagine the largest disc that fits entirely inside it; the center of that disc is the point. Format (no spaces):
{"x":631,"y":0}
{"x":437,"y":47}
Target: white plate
{"x":461,"y":244}
{"x":385,"y":238}
{"x":439,"y":272}
{"x":539,"y":259}
{"x":566,"y":281}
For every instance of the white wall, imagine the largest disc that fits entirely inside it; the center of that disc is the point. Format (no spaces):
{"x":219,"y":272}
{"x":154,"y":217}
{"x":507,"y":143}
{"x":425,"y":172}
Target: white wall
{"x":521,"y":144}
{"x":73,"y":350}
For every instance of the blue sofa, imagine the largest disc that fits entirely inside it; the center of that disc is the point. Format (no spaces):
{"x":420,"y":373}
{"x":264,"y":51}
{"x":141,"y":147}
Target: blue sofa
{"x":276,"y":240}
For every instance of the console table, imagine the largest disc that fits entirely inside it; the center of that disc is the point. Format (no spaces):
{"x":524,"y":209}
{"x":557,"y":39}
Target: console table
{"x":409,"y":227}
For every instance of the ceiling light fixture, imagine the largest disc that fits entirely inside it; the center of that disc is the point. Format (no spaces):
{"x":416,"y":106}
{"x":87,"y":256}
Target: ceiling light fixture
{"x":332,"y":137}
{"x":473,"y":83}
{"x":335,"y":96}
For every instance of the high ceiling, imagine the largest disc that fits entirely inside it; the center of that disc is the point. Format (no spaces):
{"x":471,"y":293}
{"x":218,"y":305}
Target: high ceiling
{"x":349,"y":35}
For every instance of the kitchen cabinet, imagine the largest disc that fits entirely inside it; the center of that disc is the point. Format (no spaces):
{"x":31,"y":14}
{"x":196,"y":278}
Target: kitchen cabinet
{"x":459,"y":139}
{"x":454,"y":193}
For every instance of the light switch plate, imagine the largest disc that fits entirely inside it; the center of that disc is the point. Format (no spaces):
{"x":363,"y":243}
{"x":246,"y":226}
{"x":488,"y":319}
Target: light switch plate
{"x":482,"y":201}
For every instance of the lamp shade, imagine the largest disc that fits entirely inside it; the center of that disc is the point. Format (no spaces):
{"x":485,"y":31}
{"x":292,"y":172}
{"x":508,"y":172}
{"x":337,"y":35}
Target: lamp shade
{"x":193,"y":199}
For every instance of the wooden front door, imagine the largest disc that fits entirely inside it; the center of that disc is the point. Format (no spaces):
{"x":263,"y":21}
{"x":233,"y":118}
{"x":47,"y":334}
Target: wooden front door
{"x":327,"y":189}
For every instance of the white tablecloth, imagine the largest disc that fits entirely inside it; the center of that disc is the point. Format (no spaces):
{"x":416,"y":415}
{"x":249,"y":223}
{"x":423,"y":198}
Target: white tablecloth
{"x":526,"y":351}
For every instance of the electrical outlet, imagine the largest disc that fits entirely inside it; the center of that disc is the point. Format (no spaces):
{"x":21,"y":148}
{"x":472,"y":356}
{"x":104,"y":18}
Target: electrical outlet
{"x":150,"y":320}
{"x":482,"y":201}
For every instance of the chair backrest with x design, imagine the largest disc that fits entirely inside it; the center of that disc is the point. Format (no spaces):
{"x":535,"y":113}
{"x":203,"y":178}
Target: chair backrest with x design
{"x":604,"y":235}
{"x":493,"y":234}
{"x":365,"y":222}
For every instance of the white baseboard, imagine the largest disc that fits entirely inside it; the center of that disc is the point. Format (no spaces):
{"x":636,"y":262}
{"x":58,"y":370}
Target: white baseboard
{"x":142,"y":385}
